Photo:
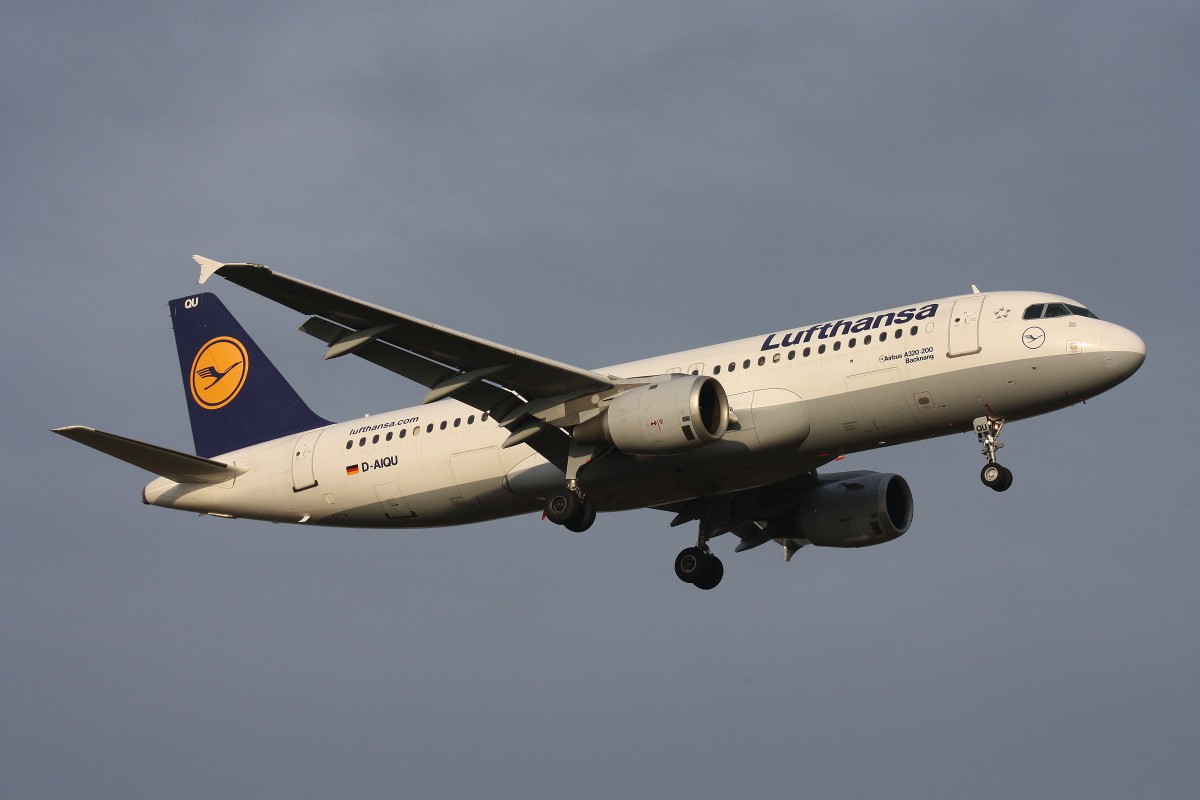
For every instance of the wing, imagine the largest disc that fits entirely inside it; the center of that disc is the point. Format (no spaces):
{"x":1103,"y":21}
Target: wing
{"x":533,"y":397}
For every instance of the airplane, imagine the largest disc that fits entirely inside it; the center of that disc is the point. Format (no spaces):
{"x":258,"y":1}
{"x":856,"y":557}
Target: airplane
{"x":729,"y":436}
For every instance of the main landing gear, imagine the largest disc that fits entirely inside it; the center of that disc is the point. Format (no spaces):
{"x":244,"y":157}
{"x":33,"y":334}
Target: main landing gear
{"x":570,"y":509}
{"x":993,"y":475}
{"x":569,"y":506}
{"x":699,"y":567}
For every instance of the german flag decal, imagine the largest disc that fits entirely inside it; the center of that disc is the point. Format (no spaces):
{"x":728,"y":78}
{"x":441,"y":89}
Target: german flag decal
{"x":352,"y":469}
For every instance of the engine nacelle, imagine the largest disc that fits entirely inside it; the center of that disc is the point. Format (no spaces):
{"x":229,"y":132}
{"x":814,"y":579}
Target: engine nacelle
{"x":673,"y":416}
{"x":853,"y":509}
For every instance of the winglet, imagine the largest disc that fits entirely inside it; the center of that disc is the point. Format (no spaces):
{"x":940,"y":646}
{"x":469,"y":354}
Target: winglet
{"x":208,"y":267}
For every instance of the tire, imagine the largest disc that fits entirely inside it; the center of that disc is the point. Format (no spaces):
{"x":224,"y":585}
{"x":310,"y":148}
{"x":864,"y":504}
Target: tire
{"x":562,"y":507}
{"x":689,"y":564}
{"x":1007,"y":482}
{"x":584,"y":519}
{"x":713,"y":572}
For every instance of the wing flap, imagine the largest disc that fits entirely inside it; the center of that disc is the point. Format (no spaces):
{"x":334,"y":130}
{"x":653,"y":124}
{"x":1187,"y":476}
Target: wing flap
{"x":170,"y":464}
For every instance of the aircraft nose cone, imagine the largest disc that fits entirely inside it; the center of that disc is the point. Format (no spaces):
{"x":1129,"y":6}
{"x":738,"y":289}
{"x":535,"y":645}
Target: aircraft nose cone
{"x":1124,"y":351}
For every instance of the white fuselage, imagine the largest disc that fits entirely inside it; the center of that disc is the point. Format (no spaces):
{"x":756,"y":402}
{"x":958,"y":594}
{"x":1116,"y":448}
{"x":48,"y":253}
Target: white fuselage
{"x":801,"y":397}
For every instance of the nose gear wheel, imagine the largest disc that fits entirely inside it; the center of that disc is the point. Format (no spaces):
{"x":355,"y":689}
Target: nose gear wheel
{"x":996,"y":477}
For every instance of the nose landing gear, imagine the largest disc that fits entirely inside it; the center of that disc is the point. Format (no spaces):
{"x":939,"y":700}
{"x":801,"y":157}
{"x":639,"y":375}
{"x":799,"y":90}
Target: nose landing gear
{"x":993,"y":475}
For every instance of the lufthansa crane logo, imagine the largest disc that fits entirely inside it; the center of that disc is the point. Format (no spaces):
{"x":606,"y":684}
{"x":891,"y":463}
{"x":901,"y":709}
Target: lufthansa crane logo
{"x":219,"y":372}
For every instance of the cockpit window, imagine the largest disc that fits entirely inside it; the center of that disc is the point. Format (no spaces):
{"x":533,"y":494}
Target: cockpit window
{"x":1047,"y":310}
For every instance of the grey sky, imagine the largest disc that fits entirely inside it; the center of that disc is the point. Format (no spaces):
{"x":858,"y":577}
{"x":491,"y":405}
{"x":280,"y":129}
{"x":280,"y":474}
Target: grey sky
{"x":597,"y":182}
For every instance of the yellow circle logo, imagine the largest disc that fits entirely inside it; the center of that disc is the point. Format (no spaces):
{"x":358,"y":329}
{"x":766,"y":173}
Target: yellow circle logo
{"x":219,"y":372}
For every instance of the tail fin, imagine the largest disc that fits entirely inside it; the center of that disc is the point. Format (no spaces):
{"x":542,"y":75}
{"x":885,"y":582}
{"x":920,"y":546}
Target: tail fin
{"x":235,"y":396}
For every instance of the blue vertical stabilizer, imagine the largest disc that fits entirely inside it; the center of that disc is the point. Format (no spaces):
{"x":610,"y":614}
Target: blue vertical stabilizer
{"x":235,"y":396}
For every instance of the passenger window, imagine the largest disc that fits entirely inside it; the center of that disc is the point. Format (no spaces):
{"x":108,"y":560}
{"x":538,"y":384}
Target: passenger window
{"x":820,"y":349}
{"x":913,"y":330}
{"x":807,"y":352}
{"x":775,"y":358}
{"x":763,"y":359}
{"x":403,"y":432}
{"x":717,"y":369}
{"x":457,"y":421}
{"x":792,"y":355}
{"x":851,"y":344}
{"x":899,"y":332}
{"x":866,"y":340}
{"x":837,"y":346}
{"x":484,"y":418}
{"x":471,"y":420}
{"x":362,"y":442}
{"x":389,"y":436}
{"x":746,"y":364}
{"x":883,"y":336}
{"x":732,"y":366}
{"x":349,"y":444}
{"x":375,"y":439}
{"x":429,"y":428}
{"x":442,"y":427}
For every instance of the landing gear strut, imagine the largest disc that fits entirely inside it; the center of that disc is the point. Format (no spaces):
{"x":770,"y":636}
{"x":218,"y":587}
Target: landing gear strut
{"x":993,"y":475}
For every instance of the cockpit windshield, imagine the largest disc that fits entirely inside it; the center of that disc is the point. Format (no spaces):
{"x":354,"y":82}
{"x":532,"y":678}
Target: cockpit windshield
{"x":1047,"y":310}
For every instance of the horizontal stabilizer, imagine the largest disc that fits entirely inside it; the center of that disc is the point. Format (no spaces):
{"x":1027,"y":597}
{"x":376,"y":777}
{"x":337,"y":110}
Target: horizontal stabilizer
{"x":170,"y":464}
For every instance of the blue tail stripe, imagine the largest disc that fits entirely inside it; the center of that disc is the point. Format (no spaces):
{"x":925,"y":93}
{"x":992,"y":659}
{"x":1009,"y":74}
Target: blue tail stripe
{"x":235,"y":395}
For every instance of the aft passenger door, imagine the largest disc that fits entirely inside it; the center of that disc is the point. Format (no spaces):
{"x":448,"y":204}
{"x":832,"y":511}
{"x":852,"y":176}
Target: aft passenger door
{"x":302,"y":460}
{"x":964,"y":326}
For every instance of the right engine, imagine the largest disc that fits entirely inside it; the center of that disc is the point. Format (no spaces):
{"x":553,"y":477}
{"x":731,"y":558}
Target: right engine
{"x":849,"y":509}
{"x":673,"y":416}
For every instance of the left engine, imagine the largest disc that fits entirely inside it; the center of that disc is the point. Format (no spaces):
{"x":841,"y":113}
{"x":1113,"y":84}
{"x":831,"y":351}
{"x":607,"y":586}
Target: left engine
{"x":673,"y":416}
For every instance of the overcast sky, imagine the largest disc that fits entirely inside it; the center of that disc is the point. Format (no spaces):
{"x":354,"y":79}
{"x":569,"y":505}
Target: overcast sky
{"x":596,"y":182}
